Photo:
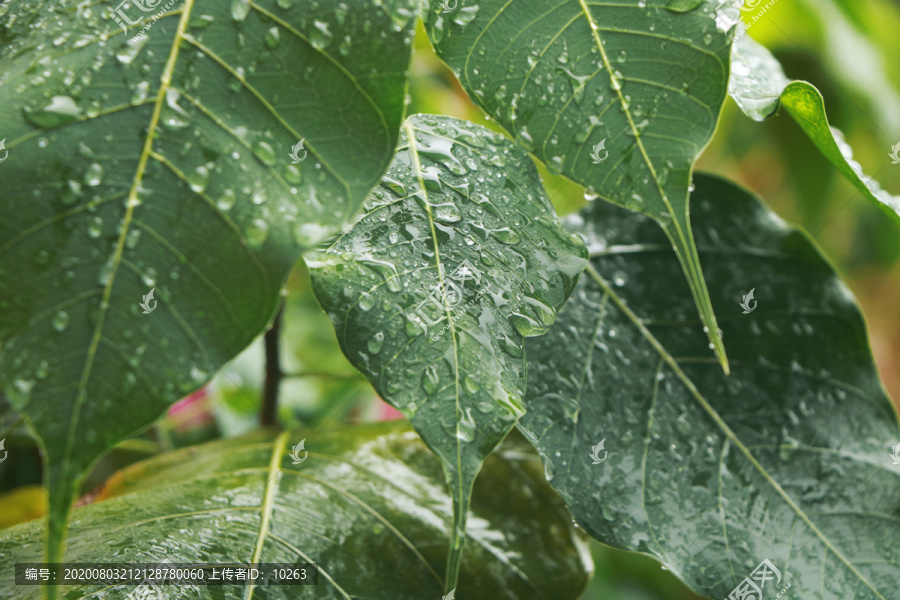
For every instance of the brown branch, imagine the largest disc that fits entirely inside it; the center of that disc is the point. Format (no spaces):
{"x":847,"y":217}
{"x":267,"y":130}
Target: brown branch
{"x":274,"y":374}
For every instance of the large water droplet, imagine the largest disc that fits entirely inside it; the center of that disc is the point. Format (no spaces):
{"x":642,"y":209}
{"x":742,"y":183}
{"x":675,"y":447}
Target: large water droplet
{"x":94,"y":175}
{"x":60,"y":111}
{"x":376,"y":343}
{"x":61,"y":321}
{"x":240,"y":9}
{"x":264,"y":152}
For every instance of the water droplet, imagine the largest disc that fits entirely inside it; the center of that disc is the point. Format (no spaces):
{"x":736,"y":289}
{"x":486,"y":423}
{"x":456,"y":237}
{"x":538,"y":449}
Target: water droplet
{"x":226,"y":200}
{"x":95,"y":227}
{"x":257,"y":233}
{"x":430,"y":380}
{"x":264,"y":152}
{"x":366,"y":301}
{"x":61,"y":321}
{"x":130,"y":49}
{"x":198,"y":178}
{"x":506,"y":236}
{"x":94,"y":175}
{"x":376,"y":343}
{"x":320,"y":37}
{"x":60,"y":111}
{"x":273,"y":37}
{"x":240,"y":9}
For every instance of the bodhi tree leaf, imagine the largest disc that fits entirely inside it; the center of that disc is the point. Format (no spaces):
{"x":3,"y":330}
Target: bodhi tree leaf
{"x":787,"y":460}
{"x":457,"y":257}
{"x":156,"y":194}
{"x":620,"y":97}
{"x":366,"y":504}
{"x":760,"y":87}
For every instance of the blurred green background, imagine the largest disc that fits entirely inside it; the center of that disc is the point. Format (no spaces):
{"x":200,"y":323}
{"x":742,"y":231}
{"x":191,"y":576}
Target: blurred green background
{"x":846,"y":48}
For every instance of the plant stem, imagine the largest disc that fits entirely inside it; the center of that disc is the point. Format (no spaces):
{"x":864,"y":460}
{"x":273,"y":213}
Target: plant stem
{"x":457,"y":538}
{"x":274,"y":374}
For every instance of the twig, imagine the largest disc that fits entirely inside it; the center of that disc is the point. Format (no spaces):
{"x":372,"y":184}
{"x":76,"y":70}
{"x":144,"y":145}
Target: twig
{"x":274,"y":374}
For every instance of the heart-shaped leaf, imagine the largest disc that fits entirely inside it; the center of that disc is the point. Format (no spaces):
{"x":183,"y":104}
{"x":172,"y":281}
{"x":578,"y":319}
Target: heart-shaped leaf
{"x":760,"y":87}
{"x":620,"y":97}
{"x":161,"y":181}
{"x":787,"y":460}
{"x":366,"y":504}
{"x":457,"y":257}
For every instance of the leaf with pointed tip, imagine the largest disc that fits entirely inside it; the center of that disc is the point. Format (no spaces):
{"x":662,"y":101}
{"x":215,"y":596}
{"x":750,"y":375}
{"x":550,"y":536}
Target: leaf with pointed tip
{"x":457,"y":257}
{"x":161,"y":162}
{"x":368,"y":507}
{"x":787,"y":459}
{"x":645,"y":77}
{"x":760,"y":88}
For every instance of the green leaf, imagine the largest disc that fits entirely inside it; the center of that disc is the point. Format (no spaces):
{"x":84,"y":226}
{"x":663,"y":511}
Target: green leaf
{"x":367,"y":504}
{"x":208,"y":211}
{"x":621,"y":98}
{"x":760,"y":87}
{"x":457,"y":258}
{"x":788,"y":459}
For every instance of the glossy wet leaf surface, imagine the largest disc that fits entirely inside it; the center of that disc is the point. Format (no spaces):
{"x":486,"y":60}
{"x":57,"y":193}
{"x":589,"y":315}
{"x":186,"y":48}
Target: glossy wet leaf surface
{"x":209,"y":214}
{"x":368,"y":505}
{"x":457,"y":258}
{"x":620,"y":97}
{"x":760,"y":88}
{"x":788,"y":459}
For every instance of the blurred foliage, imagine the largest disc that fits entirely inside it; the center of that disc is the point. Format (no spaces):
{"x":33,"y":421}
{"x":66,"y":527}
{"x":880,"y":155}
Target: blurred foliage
{"x":846,"y":48}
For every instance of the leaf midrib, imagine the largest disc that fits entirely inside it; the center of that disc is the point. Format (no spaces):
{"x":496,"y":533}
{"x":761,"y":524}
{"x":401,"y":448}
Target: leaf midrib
{"x":131,"y":203}
{"x":414,"y":155}
{"x":717,"y":419}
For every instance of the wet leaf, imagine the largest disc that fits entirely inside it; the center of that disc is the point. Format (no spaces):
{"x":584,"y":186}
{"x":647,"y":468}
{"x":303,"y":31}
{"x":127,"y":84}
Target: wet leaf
{"x":621,"y":98}
{"x":457,"y":257}
{"x":760,"y":88}
{"x":199,"y":221}
{"x":367,"y":505}
{"x":788,"y":459}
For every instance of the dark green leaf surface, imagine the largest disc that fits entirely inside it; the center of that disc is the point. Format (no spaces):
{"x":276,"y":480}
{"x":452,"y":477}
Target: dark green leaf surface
{"x":457,"y":257}
{"x":788,"y":459}
{"x":620,"y":97}
{"x":367,"y":505}
{"x":760,"y":87}
{"x":207,"y":211}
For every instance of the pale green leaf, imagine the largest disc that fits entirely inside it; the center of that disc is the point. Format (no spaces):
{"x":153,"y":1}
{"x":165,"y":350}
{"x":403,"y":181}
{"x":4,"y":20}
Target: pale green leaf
{"x":760,"y":88}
